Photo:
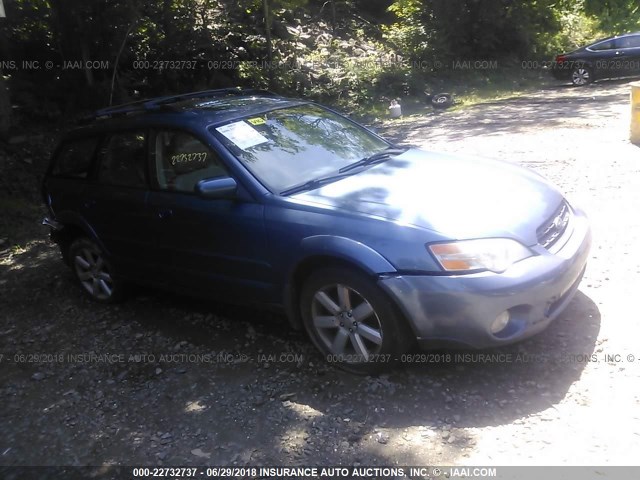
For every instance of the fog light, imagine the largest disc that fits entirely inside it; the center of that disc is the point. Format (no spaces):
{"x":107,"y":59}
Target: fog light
{"x":500,"y":322}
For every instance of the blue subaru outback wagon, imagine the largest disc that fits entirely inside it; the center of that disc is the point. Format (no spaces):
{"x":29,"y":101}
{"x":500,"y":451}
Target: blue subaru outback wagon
{"x":250,"y":197}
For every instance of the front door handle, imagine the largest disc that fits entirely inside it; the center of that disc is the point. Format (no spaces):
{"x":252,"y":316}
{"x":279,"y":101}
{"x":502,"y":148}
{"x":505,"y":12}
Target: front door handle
{"x":165,"y":213}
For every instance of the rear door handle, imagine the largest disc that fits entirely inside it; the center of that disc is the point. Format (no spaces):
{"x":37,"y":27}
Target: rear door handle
{"x":165,"y":213}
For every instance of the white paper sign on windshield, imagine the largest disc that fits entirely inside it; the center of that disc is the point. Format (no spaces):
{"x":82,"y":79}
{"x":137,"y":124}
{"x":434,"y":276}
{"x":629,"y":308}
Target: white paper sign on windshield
{"x":242,"y":134}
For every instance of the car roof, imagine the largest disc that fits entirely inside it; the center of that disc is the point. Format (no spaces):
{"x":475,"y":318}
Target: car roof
{"x":613,"y":37}
{"x":197,"y":109}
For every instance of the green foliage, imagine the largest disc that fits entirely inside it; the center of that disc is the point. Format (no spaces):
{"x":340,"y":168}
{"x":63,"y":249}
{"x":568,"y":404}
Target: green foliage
{"x":408,"y":34}
{"x":615,"y":16}
{"x":483,"y":29}
{"x":577,"y":28}
{"x":350,"y":52}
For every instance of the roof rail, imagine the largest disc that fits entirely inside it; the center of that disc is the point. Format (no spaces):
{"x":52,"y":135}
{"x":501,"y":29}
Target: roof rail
{"x":142,"y":106}
{"x":208,"y":94}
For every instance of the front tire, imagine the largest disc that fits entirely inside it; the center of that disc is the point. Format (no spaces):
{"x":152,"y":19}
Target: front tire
{"x":94,"y":272}
{"x":352,"y":321}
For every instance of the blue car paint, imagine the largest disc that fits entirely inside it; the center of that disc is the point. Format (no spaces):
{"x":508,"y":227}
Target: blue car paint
{"x":444,"y":307}
{"x":460,"y":308}
{"x":379,"y":220}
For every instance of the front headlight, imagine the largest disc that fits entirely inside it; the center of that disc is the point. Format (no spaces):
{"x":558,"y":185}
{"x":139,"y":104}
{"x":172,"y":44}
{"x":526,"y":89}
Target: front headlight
{"x":495,"y":254}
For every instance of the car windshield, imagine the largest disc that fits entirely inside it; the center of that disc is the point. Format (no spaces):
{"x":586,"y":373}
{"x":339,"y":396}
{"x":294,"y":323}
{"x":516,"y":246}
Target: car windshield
{"x":291,"y":146}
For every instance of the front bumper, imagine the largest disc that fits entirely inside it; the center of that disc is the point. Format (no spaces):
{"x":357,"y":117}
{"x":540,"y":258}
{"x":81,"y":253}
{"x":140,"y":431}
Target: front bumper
{"x":461,"y":308}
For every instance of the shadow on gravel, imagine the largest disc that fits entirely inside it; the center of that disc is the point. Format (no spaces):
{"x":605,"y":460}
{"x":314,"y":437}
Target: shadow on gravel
{"x":238,"y":386}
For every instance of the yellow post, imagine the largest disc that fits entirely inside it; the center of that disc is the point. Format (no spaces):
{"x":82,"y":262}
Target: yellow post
{"x":635,"y":114}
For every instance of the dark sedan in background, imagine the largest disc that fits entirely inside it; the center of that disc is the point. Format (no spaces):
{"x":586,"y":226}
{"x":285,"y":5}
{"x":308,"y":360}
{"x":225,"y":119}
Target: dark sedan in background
{"x":612,"y":57}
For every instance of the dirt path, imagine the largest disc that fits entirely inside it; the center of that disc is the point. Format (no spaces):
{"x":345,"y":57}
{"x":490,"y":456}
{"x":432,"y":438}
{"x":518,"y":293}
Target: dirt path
{"x":233,"y":386}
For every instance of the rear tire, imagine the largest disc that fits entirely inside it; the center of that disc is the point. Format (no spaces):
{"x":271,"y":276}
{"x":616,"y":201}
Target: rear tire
{"x":581,"y":76}
{"x":352,"y":321}
{"x":94,"y":271}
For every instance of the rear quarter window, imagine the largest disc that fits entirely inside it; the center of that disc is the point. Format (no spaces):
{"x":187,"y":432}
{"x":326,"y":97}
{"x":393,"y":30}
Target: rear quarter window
{"x":74,"y":158}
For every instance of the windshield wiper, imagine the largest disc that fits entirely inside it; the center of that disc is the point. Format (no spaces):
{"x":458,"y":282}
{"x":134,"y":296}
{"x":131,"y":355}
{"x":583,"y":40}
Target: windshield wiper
{"x":376,"y":157}
{"x":371,"y":159}
{"x":313,"y":184}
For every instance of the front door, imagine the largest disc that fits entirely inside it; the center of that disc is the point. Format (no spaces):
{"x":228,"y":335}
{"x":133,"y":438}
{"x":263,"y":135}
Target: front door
{"x":207,"y":246}
{"x":628,"y":52}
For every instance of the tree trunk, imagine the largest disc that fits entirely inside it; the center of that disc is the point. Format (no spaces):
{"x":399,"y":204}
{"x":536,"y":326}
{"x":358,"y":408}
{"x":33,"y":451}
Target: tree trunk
{"x":267,"y":34}
{"x":88,"y":73}
{"x":5,"y":108}
{"x":5,"y":102}
{"x":333,"y":17}
{"x":115,"y":66}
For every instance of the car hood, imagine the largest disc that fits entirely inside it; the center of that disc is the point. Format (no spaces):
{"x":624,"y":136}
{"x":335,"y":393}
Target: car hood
{"x":457,"y":196}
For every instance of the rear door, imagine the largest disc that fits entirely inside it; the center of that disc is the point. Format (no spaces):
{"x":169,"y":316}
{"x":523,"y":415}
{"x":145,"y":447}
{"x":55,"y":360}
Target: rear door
{"x":116,"y":204}
{"x":209,"y":246}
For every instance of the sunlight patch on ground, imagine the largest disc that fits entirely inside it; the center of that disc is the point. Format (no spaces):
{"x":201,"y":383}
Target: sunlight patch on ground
{"x":297,"y":436}
{"x":303,"y":411}
{"x":194,"y":407}
{"x":15,"y":259}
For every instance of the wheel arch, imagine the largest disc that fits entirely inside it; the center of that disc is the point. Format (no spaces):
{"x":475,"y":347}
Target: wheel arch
{"x":327,"y":250}
{"x":74,"y":226}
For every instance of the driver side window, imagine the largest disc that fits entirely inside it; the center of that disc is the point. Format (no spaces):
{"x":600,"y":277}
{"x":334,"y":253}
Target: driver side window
{"x":629,"y":42}
{"x":182,"y":160}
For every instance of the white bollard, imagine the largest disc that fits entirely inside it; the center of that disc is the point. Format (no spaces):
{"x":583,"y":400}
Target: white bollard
{"x":395,"y":109}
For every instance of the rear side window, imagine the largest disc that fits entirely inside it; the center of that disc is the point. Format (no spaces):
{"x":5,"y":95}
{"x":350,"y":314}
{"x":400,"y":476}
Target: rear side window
{"x":74,"y":159}
{"x":182,"y":161}
{"x":123,"y":159}
{"x":608,"y":45}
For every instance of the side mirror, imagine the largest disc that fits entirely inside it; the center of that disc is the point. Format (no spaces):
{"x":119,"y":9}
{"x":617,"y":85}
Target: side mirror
{"x":221,"y":187}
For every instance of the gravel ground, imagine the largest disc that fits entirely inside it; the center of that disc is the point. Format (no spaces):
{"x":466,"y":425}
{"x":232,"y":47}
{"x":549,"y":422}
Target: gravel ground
{"x":167,"y":380}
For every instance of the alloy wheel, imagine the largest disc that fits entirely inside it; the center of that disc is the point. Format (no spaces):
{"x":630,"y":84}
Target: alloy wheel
{"x":346,"y":323}
{"x":581,"y":76}
{"x":93,"y":273}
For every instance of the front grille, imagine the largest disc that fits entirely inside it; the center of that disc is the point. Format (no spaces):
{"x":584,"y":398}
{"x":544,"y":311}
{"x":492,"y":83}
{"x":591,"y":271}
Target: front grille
{"x":549,"y":232}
